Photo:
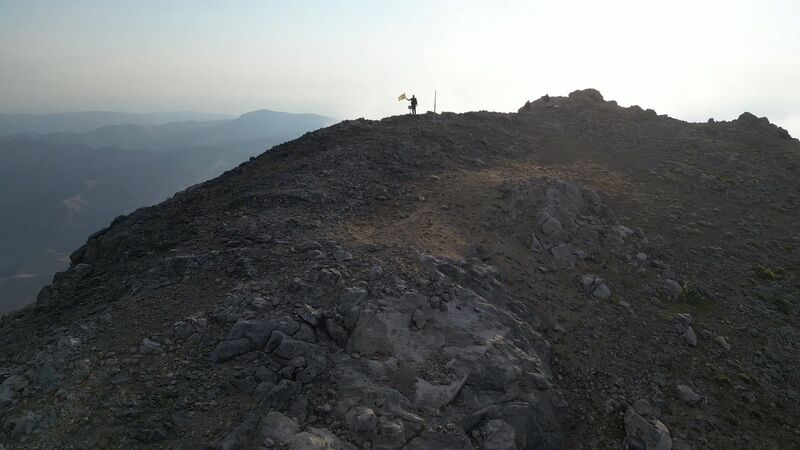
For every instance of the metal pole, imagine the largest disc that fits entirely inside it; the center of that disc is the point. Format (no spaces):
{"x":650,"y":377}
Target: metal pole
{"x":434,"y":101}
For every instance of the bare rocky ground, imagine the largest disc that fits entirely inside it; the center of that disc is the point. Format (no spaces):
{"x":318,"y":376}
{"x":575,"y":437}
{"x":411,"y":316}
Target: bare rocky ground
{"x":575,"y":275}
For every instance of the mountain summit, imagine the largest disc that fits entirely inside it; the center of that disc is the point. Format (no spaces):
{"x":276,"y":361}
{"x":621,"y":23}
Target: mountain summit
{"x":574,"y":275}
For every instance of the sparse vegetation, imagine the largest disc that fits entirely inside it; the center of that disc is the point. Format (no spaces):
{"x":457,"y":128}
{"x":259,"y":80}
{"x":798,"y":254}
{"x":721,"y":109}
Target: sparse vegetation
{"x":765,"y":273}
{"x":783,"y":305}
{"x":747,"y":378}
{"x":725,"y":179}
{"x":692,"y":294}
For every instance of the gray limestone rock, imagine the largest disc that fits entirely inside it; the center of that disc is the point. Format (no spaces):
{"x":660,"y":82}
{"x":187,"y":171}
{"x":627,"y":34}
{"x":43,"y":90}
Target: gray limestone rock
{"x":256,"y":331}
{"x":722,"y":343}
{"x":430,"y":396}
{"x":230,"y":349}
{"x":336,"y":331}
{"x":279,"y":396}
{"x":360,"y":418}
{"x":536,"y":245}
{"x":688,"y":395}
{"x":564,"y":254}
{"x":690,"y":337}
{"x":149,"y":346}
{"x":391,"y":434}
{"x":370,"y":335}
{"x":29,"y":422}
{"x":342,"y":255}
{"x":623,"y":231}
{"x":10,"y":388}
{"x":6,"y":395}
{"x":233,"y":440}
{"x":312,"y":316}
{"x":644,"y":434}
{"x":683,"y":319}
{"x":498,"y":435}
{"x":552,"y":228}
{"x":289,"y":348}
{"x":46,"y":377}
{"x":642,"y":407}
{"x":673,"y":288}
{"x":375,"y":273}
{"x":278,"y":427}
{"x":595,"y":286}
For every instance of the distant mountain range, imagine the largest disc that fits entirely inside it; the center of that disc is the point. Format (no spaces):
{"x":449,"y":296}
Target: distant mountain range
{"x":81,"y":122}
{"x":58,"y":188}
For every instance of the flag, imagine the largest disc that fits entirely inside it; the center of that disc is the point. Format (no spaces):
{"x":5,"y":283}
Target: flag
{"x":402,"y":97}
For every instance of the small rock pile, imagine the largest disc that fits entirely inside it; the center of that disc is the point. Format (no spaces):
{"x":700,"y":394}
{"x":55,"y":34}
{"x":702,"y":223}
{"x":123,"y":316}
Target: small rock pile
{"x":574,"y":224}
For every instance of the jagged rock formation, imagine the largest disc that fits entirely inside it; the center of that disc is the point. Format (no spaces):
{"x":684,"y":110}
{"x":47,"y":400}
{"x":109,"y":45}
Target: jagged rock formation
{"x":568,"y":276}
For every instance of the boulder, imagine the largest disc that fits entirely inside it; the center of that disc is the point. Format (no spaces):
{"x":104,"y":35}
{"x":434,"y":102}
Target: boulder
{"x":360,"y":418}
{"x":149,"y":346}
{"x":336,"y":331}
{"x":552,"y":228}
{"x":342,"y":255}
{"x":683,"y":319}
{"x":688,"y":395}
{"x":230,"y":349}
{"x":642,"y":407}
{"x":255,"y":331}
{"x":595,"y":286}
{"x":278,"y":427}
{"x":722,"y":343}
{"x":391,"y":435}
{"x":498,"y":435}
{"x":279,"y":396}
{"x":6,"y":395}
{"x":29,"y":422}
{"x":233,"y":440}
{"x":690,"y":337}
{"x":590,"y":94}
{"x":434,"y":397}
{"x":282,"y":345}
{"x":673,"y":288}
{"x":646,"y":434}
{"x":370,"y":335}
{"x":564,"y":254}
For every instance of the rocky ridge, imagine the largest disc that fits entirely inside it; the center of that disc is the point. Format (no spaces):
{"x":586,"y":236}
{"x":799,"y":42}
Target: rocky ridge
{"x":569,"y":276}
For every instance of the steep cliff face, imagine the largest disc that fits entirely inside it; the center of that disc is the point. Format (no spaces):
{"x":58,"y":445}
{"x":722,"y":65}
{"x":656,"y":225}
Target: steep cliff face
{"x":575,"y":274}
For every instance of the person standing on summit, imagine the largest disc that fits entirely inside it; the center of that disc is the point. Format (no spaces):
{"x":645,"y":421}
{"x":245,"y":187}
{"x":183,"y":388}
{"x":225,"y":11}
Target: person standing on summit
{"x":413,"y":106}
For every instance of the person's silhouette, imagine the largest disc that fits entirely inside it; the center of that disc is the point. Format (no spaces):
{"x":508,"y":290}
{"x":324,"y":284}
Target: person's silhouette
{"x":413,"y":101}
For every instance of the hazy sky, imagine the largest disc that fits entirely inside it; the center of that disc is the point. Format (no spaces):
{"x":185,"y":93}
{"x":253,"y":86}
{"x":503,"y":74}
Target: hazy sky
{"x":689,"y":59}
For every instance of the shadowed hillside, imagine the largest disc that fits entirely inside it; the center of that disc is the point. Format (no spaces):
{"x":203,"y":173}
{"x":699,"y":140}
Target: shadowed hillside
{"x":56,"y":189}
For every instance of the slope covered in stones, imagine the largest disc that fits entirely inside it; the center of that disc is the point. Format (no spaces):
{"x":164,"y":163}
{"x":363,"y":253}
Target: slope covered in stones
{"x":574,"y":275}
